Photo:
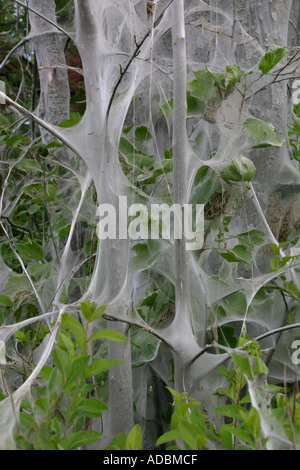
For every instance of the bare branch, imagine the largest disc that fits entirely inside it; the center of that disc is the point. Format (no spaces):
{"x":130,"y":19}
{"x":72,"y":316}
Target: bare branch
{"x":11,"y":52}
{"x":41,"y":123}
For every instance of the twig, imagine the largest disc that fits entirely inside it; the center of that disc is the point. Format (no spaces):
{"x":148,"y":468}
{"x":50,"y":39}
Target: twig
{"x":18,"y":227}
{"x":46,"y":207}
{"x":273,"y":82}
{"x":4,"y":368}
{"x":43,"y":124}
{"x":20,"y":44}
{"x":23,"y":268}
{"x":241,"y":348}
{"x":142,"y":326}
{"x":135,"y":54}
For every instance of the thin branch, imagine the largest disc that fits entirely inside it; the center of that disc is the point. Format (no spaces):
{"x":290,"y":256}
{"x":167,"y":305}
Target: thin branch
{"x":17,"y":46}
{"x":268,"y":229}
{"x":142,"y":326}
{"x":215,"y":30}
{"x":273,"y":82}
{"x":18,"y":227}
{"x":42,"y":123}
{"x":8,"y":23}
{"x":47,"y":209}
{"x":241,"y":348}
{"x":71,"y":273}
{"x":23,"y":268}
{"x":134,"y":56}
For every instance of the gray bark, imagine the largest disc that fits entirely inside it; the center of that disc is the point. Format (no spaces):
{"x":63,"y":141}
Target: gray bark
{"x":49,"y":46}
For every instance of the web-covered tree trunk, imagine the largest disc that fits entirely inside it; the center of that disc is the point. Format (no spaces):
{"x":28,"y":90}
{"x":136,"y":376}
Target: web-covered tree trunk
{"x":49,"y":44}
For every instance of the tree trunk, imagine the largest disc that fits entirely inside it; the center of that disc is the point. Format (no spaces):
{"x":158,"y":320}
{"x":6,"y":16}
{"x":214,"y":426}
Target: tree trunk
{"x":49,"y":45}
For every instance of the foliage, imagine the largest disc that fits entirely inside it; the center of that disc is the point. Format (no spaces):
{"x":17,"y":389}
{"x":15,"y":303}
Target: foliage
{"x":59,"y":416}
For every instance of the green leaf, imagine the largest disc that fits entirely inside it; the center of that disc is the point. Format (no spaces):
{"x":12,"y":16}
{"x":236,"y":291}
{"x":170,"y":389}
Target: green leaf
{"x":91,"y":407}
{"x":62,"y":361}
{"x":80,"y":439}
{"x":110,"y":335}
{"x":275,"y":248}
{"x":204,"y":86}
{"x":291,"y":286}
{"x":242,"y":363}
{"x":5,"y":300}
{"x":234,"y":75}
{"x":190,"y":433}
{"x":38,"y":271}
{"x":204,"y":191}
{"x":198,"y":419}
{"x":133,"y":156}
{"x":41,"y":439}
{"x":146,"y":254}
{"x":230,"y":411}
{"x":201,"y":174}
{"x":251,"y":238}
{"x":167,"y":108}
{"x":272,"y":58}
{"x":195,"y":106}
{"x":263,"y":134}
{"x":29,"y":165}
{"x":134,"y":439}
{"x":14,"y":141}
{"x":240,"y":169}
{"x":55,"y":430}
{"x":118,"y":441}
{"x":43,"y":150}
{"x":159,"y":168}
{"x":142,"y":134}
{"x":97,"y":313}
{"x":27,"y":420}
{"x":226,"y":436}
{"x":226,"y":336}
{"x":65,"y":343}
{"x":100,"y":366}
{"x":219,"y":78}
{"x":168,"y":437}
{"x":74,"y":119}
{"x":46,"y":372}
{"x":79,"y":365}
{"x":241,"y":252}
{"x":238,"y":254}
{"x":242,"y":435}
{"x":75,"y":327}
{"x":176,"y":395}
{"x":52,"y":382}
{"x":30,"y":251}
{"x":86,"y":308}
{"x":91,"y":312}
{"x":260,"y":367}
{"x":22,"y":337}
{"x":43,"y":403}
{"x":252,"y":420}
{"x":51,"y":192}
